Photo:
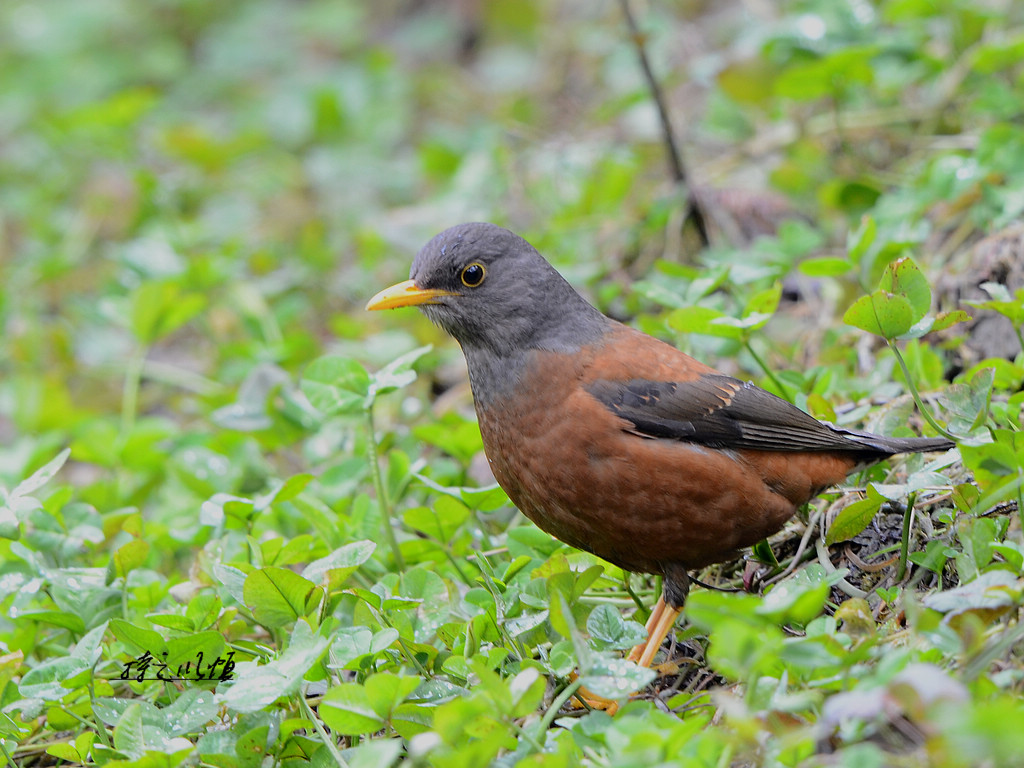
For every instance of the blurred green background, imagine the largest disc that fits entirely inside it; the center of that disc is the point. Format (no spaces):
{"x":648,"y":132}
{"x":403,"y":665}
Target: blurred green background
{"x":196,"y":201}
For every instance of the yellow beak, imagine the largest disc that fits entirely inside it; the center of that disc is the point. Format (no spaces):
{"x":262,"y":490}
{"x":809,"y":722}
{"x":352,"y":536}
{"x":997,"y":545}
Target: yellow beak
{"x":406,"y":294}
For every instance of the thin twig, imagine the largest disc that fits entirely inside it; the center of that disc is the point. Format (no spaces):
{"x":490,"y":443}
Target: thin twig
{"x":842,"y":585}
{"x":864,"y":565}
{"x":676,"y":167}
{"x":812,"y":523}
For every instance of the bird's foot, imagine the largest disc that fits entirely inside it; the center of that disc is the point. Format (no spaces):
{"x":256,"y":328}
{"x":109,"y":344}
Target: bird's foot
{"x":661,"y":621}
{"x":584,"y":699}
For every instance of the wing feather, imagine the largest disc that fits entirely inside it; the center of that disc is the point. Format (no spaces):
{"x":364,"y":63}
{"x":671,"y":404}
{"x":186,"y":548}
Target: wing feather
{"x":723,"y":412}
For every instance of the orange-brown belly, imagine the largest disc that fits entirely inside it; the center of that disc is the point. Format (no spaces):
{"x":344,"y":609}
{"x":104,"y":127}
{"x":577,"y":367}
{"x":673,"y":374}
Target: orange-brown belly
{"x":572,"y":467}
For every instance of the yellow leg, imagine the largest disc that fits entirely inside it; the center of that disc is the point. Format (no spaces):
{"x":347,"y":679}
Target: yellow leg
{"x":585,"y":698}
{"x":663,"y":618}
{"x":636,"y":655}
{"x":666,"y":619}
{"x":638,"y":650}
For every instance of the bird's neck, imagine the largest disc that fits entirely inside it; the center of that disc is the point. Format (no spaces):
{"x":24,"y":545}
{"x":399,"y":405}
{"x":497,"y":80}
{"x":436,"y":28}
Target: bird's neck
{"x":496,"y":369}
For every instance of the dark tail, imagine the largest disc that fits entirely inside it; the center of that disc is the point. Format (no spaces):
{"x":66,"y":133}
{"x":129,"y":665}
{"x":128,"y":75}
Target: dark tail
{"x":890,"y":445}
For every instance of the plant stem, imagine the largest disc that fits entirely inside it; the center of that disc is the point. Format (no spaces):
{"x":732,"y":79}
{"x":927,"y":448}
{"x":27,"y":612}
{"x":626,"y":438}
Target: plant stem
{"x":560,"y":699}
{"x":632,"y":594}
{"x":527,"y":736}
{"x":130,"y":391}
{"x":382,"y":494}
{"x":768,"y":371}
{"x":324,"y":736}
{"x":101,"y":732}
{"x":908,"y":516}
{"x":915,"y":394}
{"x":383,"y":619}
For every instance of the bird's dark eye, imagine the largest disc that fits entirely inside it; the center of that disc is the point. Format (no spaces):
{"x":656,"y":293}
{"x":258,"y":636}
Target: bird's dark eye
{"x":473,"y":275}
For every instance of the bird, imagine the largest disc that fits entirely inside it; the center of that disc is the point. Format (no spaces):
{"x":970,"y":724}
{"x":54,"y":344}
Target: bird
{"x":615,"y":442}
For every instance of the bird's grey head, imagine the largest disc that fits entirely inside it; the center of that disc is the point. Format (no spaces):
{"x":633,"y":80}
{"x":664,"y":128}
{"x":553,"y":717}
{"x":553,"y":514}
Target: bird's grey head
{"x":492,"y":290}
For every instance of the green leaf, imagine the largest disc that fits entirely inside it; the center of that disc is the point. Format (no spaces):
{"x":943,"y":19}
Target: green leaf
{"x":251,"y":747}
{"x":703,"y":320}
{"x":904,"y":278}
{"x":10,"y":527}
{"x":611,"y":631}
{"x":232,"y":580}
{"x":440,"y":521}
{"x":825,"y":266}
{"x":992,"y":57}
{"x":193,"y":710}
{"x":129,"y":736}
{"x":46,"y":680}
{"x":764,"y":303}
{"x":660,"y":293}
{"x":933,"y":556}
{"x":747,"y":80}
{"x":883,"y":314}
{"x":453,"y":434}
{"x":527,"y":691}
{"x":485,"y":499}
{"x":346,"y":709}
{"x":377,"y":753}
{"x":380,"y":602}
{"x":337,"y":385}
{"x":339,"y":564}
{"x":860,"y":242}
{"x":966,"y":404}
{"x":852,"y":519}
{"x":762,"y":552}
{"x":64,"y":619}
{"x":66,"y":751}
{"x":385,"y":691}
{"x":1012,"y":308}
{"x":160,"y":307}
{"x":258,"y":686}
{"x":562,"y":657}
{"x":801,"y":597}
{"x":203,"y":610}
{"x":128,"y":557}
{"x":53,"y":678}
{"x":277,"y":596}
{"x":353,"y":644}
{"x":559,"y":589}
{"x":515,"y":567}
{"x":997,"y":465}
{"x":398,"y":373}
{"x":829,"y":75}
{"x":899,"y":306}
{"x":990,"y":590}
{"x":187,"y":649}
{"x":1012,"y":552}
{"x":292,"y":487}
{"x":945,"y":320}
{"x":614,"y":677}
{"x":41,"y":476}
{"x":138,"y":639}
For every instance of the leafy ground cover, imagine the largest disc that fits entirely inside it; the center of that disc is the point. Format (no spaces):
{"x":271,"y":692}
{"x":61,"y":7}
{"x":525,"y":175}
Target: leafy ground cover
{"x":244,"y":523}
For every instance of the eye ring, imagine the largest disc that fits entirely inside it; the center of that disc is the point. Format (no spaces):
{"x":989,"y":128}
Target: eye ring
{"x":473,"y":274}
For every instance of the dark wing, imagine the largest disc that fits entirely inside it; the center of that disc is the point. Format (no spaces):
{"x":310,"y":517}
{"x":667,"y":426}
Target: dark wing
{"x":723,"y":412}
